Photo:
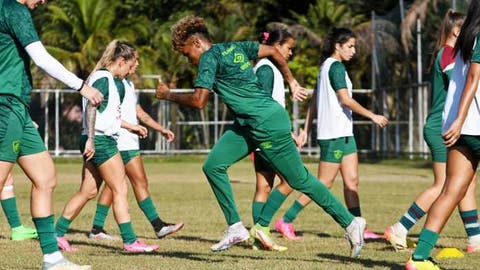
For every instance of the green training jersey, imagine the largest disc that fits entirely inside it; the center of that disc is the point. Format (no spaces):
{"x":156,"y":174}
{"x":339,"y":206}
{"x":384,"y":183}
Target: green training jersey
{"x":442,"y":71}
{"x":265,"y":77}
{"x":226,"y":69}
{"x":16,"y":32}
{"x":336,"y":74}
{"x":476,"y":51}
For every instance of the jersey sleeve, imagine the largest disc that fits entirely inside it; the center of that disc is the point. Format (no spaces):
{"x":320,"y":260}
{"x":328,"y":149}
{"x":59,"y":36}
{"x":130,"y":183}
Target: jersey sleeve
{"x":207,"y":69}
{"x":476,"y":51}
{"x":250,"y":48}
{"x":102,"y":86}
{"x":265,"y":77}
{"x":20,"y":24}
{"x":336,"y":74}
{"x":447,"y":59}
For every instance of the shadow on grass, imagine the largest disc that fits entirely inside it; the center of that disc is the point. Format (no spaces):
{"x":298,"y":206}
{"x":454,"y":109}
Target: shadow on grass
{"x":195,"y":238}
{"x":367,"y":263}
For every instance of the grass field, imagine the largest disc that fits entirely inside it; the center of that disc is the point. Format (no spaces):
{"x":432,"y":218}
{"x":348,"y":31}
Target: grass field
{"x":181,"y":193}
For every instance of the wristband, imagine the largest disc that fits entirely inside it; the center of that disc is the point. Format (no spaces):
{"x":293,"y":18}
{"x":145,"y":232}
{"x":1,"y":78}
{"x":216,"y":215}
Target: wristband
{"x":83,"y":84}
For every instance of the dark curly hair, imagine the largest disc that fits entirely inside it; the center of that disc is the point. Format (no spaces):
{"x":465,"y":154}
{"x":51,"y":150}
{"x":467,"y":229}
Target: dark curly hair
{"x":187,"y":27}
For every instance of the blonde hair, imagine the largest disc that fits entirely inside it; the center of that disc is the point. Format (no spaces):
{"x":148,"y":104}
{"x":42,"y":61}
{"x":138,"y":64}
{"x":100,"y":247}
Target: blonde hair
{"x":187,"y":27}
{"x":114,"y":50}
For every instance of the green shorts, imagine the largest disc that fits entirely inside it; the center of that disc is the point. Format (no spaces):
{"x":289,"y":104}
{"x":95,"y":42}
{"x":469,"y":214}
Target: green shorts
{"x":471,"y":142}
{"x":435,"y":141}
{"x":18,"y":135}
{"x":128,"y":155}
{"x":333,"y":150}
{"x":105,"y":148}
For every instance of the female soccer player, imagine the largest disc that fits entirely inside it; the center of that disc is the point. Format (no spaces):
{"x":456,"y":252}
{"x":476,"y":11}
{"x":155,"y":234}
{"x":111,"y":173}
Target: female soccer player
{"x":129,"y":147}
{"x":103,"y":162}
{"x":272,"y":83}
{"x":334,"y":104}
{"x":461,"y":132}
{"x":442,"y":70}
{"x":19,"y":139}
{"x":260,"y":122}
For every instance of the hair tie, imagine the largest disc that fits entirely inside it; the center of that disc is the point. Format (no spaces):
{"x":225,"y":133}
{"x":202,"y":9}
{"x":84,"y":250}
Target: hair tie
{"x":265,"y":36}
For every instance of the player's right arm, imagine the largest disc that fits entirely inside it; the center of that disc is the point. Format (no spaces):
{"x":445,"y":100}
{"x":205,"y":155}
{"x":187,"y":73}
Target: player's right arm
{"x":198,"y":99}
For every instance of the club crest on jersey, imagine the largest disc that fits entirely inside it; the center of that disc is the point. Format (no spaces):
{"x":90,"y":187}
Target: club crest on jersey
{"x":238,"y":58}
{"x":266,"y":145}
{"x":337,"y":154}
{"x":16,"y":146}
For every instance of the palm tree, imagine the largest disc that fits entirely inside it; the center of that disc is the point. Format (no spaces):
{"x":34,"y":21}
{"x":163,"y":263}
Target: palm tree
{"x":80,"y":29}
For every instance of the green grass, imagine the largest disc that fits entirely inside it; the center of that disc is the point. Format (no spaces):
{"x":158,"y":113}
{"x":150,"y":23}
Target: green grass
{"x":181,"y":193}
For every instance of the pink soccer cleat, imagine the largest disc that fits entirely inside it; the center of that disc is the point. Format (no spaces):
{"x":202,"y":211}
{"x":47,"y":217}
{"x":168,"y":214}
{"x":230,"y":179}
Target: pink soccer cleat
{"x":63,"y":244}
{"x":286,"y":229}
{"x":139,"y":247}
{"x":367,"y":234}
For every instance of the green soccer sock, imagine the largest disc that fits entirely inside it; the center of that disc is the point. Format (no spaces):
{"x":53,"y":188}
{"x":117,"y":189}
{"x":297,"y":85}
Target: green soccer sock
{"x":293,"y":212}
{"x":426,"y":242}
{"x":126,"y":231}
{"x":9,"y":207}
{"x":62,"y":226}
{"x":355,"y":211}
{"x":274,"y":201}
{"x":46,"y":234}
{"x":148,"y":209}
{"x":257,"y":208}
{"x":101,"y":214}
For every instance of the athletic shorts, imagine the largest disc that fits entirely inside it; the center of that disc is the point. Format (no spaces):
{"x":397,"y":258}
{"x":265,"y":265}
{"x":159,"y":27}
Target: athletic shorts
{"x":128,"y":155}
{"x":105,"y":148}
{"x":435,"y":141}
{"x":18,"y":135}
{"x":472,"y":142}
{"x":333,"y":150}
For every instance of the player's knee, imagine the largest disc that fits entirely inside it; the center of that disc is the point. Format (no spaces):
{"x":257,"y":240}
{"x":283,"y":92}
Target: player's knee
{"x":210,"y":168}
{"x":47,"y":184}
{"x":91,"y":194}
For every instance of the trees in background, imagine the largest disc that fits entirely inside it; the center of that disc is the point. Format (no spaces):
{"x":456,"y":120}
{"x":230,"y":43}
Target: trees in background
{"x":77,"y":31}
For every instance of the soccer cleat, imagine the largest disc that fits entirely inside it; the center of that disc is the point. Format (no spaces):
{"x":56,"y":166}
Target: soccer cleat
{"x":64,"y":264}
{"x":23,"y":233}
{"x":427,"y":264}
{"x":169,"y":228}
{"x":101,"y":235}
{"x":286,"y":229}
{"x":233,"y":235}
{"x":63,"y":244}
{"x":354,"y":234}
{"x":263,"y":239}
{"x":138,"y":246}
{"x":370,"y":235}
{"x":398,"y":242}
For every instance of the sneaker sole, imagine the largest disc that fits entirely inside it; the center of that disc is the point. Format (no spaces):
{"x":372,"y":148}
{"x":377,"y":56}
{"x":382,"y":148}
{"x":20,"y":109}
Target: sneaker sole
{"x":222,"y":248}
{"x":171,"y":232}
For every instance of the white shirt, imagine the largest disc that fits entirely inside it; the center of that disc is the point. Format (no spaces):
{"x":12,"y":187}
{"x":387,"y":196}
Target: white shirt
{"x":108,"y":121}
{"x":278,"y":92}
{"x":333,"y":119}
{"x":127,"y":140}
{"x":471,"y":125}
